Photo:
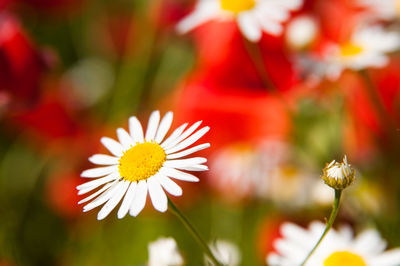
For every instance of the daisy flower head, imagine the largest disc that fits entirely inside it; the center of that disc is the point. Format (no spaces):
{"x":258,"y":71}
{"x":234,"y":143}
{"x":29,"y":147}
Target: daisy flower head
{"x":339,"y":175}
{"x":367,"y":47}
{"x":142,"y":163}
{"x":252,"y":16}
{"x":339,"y":247}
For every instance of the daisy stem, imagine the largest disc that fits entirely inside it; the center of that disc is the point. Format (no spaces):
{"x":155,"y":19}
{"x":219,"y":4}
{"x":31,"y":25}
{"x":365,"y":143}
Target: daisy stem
{"x":193,"y":231}
{"x":253,"y":50}
{"x":335,"y":209}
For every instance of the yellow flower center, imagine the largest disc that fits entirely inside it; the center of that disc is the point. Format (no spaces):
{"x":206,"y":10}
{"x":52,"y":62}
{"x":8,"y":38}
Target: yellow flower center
{"x":350,"y":49}
{"x":141,"y":161}
{"x":237,"y":6}
{"x":344,"y":258}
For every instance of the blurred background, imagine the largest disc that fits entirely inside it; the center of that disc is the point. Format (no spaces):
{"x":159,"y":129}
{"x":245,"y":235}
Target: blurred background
{"x":72,"y":71}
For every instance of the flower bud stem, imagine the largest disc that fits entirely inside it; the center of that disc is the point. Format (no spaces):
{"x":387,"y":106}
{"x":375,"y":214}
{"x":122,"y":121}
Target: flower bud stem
{"x":193,"y":232}
{"x":335,"y":209}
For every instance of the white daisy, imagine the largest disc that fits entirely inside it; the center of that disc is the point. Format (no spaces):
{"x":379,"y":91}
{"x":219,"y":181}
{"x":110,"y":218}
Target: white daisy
{"x":143,"y":163}
{"x":164,"y":252}
{"x":225,"y":252}
{"x":367,"y":48}
{"x":382,"y":9}
{"x":253,"y":16}
{"x":339,"y":248}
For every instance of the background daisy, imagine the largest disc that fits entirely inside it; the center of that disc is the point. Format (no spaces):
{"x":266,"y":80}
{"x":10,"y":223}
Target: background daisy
{"x":339,"y":247}
{"x":253,"y":16}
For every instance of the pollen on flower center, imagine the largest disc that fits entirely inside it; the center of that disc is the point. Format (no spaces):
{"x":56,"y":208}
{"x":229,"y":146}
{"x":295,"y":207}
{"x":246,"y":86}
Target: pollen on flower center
{"x":344,"y":258}
{"x":141,"y":161}
{"x":237,"y":6}
{"x":350,"y":49}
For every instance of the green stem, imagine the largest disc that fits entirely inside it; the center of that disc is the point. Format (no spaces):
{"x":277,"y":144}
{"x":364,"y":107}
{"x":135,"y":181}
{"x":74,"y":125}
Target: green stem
{"x":335,"y":209}
{"x":193,"y":231}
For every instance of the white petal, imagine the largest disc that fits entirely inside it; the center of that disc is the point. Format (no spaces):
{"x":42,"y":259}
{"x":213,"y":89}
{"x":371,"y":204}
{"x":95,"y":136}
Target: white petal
{"x":124,"y":138}
{"x":113,"y":146}
{"x":157,"y":195}
{"x":127,"y":201}
{"x":114,"y":200}
{"x":136,"y":130}
{"x":204,"y":11}
{"x":139,"y":200}
{"x":97,"y":192}
{"x":103,"y":197}
{"x":176,"y":174}
{"x":388,"y":258}
{"x":183,"y":136}
{"x":249,"y":27}
{"x":88,"y":186}
{"x":177,"y":132}
{"x":99,"y":171}
{"x":185,"y":162}
{"x":188,"y":151}
{"x":164,"y":127}
{"x":103,"y":159}
{"x":170,"y":186}
{"x":198,"y":167}
{"x":189,"y":141}
{"x":152,"y":125}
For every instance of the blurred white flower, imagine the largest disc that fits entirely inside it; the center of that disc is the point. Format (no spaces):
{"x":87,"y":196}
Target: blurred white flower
{"x":301,"y":32}
{"x":339,"y":248}
{"x":368,"y":47}
{"x":164,"y":252}
{"x":143,"y":163}
{"x":252,"y":16}
{"x":225,"y":252}
{"x":381,"y":9}
{"x":242,"y":170}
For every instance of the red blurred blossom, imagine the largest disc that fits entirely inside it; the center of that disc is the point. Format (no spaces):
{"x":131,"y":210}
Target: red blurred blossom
{"x":49,"y":119}
{"x":165,"y":14}
{"x":373,"y":127}
{"x":234,"y":114}
{"x":21,"y":65}
{"x":61,"y":193}
{"x":222,"y":53}
{"x":268,"y":232}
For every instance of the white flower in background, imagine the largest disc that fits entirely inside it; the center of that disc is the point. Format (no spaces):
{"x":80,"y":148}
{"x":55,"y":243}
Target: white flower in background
{"x":339,"y":248}
{"x":382,"y":9}
{"x":301,"y":32}
{"x":252,"y":16}
{"x":367,"y":48}
{"x":242,"y":170}
{"x":225,"y":252}
{"x":164,"y":252}
{"x":143,"y":163}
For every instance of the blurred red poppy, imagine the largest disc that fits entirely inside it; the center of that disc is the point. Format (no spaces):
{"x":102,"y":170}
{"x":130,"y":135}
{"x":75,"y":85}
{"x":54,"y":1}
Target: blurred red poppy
{"x":21,"y":65}
{"x":61,"y":193}
{"x":222,"y":60}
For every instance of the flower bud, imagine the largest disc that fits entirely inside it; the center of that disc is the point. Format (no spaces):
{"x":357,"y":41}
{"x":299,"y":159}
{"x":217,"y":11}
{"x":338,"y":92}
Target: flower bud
{"x":338,"y":175}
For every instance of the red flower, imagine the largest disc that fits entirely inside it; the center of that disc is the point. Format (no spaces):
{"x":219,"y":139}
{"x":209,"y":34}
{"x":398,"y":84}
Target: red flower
{"x":62,"y":195}
{"x":21,"y":66}
{"x":222,"y":54}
